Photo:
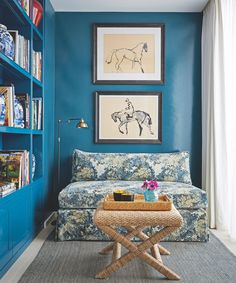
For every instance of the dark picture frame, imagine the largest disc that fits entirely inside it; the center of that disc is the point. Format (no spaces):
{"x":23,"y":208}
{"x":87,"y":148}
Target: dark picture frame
{"x":128,"y":53}
{"x":128,"y":117}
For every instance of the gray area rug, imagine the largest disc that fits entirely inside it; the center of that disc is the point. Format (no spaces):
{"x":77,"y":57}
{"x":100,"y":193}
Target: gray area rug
{"x":67,"y":262}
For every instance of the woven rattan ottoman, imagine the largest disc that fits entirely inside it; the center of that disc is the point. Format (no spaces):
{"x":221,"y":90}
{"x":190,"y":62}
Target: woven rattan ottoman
{"x":135,"y":222}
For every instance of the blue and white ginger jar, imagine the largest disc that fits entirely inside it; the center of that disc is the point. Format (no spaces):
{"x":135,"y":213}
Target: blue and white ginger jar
{"x":7,"y":45}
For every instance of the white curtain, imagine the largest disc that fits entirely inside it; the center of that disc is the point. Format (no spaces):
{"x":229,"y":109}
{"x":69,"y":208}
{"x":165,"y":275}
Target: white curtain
{"x":219,"y":113}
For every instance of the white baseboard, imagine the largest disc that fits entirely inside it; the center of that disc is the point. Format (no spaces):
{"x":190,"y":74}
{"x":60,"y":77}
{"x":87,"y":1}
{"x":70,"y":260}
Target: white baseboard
{"x":52,"y":217}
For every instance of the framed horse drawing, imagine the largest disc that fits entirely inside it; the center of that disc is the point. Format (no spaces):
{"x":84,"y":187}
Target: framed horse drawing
{"x":128,"y":53}
{"x":128,"y":117}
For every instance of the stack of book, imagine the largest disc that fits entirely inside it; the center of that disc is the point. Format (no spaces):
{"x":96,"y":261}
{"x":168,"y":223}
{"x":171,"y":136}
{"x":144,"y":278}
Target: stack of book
{"x":14,"y":108}
{"x":14,"y":167}
{"x":37,"y":65}
{"x":37,"y":108}
{"x":33,"y":9}
{"x":6,"y":188}
{"x":22,"y":48}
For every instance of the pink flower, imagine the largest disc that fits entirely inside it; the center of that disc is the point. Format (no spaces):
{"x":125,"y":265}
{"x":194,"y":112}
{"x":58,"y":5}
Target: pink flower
{"x":145,"y":184}
{"x":150,"y":185}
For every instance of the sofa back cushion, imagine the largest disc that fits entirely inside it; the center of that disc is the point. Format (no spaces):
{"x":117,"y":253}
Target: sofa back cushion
{"x":172,"y":167}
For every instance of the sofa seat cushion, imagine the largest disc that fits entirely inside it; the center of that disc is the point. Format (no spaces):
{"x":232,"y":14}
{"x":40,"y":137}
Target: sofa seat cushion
{"x":87,"y":194}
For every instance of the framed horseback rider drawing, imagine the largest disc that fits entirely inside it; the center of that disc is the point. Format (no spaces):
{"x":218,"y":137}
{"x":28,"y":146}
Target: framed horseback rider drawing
{"x":128,"y":117}
{"x":128,"y":53}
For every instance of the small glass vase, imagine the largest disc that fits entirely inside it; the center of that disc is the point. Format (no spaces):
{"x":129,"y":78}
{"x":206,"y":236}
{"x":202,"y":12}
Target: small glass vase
{"x":150,"y":196}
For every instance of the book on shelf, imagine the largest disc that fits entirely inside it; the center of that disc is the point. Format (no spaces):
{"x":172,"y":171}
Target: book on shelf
{"x":37,"y":65}
{"x":26,"y":6}
{"x":23,"y":100}
{"x":22,"y":49}
{"x":7,"y":105}
{"x":14,"y":108}
{"x":14,"y":167}
{"x":6,"y":188}
{"x":37,"y":13}
{"x":37,"y":109}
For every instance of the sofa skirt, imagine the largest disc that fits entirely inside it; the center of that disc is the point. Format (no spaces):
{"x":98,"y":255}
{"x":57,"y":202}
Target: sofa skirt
{"x":77,"y":224}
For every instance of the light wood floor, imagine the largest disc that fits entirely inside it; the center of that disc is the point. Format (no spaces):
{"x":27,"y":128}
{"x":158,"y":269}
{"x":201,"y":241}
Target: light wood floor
{"x":18,"y":269}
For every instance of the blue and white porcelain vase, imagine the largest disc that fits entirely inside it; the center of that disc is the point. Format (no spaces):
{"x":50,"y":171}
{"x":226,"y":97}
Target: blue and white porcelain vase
{"x":150,"y":196}
{"x":7,"y":45}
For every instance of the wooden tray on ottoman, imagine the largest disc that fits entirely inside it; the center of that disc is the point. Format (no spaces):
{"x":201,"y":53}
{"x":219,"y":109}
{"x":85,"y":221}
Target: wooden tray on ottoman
{"x":163,"y":203}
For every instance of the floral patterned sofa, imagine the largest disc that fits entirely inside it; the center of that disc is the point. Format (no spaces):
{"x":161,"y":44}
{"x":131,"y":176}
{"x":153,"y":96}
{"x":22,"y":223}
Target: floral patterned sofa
{"x":96,"y":174}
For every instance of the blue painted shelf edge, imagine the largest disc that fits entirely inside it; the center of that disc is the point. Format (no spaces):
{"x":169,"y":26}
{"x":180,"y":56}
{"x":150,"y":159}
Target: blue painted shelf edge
{"x":13,"y":194}
{"x":37,"y":32}
{"x":37,"y":82}
{"x":37,"y":132}
{"x":13,"y":67}
{"x":13,"y":130}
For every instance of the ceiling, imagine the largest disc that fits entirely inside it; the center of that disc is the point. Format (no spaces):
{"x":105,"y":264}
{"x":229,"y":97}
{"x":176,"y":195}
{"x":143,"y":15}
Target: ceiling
{"x":129,"y":5}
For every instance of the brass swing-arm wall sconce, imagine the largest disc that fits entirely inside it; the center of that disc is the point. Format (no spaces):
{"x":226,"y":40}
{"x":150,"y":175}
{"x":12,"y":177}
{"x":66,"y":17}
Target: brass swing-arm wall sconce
{"x":80,"y":125}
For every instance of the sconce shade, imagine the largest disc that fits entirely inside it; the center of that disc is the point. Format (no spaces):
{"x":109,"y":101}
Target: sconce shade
{"x":81,"y":124}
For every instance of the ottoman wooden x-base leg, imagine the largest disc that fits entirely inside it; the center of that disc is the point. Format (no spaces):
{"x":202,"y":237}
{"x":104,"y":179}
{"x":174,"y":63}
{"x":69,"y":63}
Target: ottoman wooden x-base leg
{"x":135,"y":222}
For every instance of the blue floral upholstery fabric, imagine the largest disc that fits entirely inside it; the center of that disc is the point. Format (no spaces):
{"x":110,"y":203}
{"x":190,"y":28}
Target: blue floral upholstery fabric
{"x":170,"y":167}
{"x":77,"y":224}
{"x":87,"y":194}
{"x":96,"y":174}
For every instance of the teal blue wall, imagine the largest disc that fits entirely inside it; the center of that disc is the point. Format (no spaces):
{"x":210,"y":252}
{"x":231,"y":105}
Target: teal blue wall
{"x":181,"y":91}
{"x":49,"y":103}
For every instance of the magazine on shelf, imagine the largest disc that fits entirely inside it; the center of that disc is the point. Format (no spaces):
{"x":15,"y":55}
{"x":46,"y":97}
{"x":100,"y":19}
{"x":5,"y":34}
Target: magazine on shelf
{"x":10,"y":168}
{"x":4,"y":186}
{"x":7,"y":192}
{"x":14,"y":167}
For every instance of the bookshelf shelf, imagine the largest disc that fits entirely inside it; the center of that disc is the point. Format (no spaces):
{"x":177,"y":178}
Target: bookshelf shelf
{"x":13,"y":130}
{"x":37,"y":82}
{"x":11,"y":196}
{"x":37,"y":180}
{"x":22,"y":211}
{"x":37,"y":132}
{"x":11,"y":69}
{"x":37,"y":33}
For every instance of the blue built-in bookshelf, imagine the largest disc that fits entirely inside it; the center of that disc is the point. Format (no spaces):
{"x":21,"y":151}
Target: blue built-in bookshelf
{"x":22,"y":212}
